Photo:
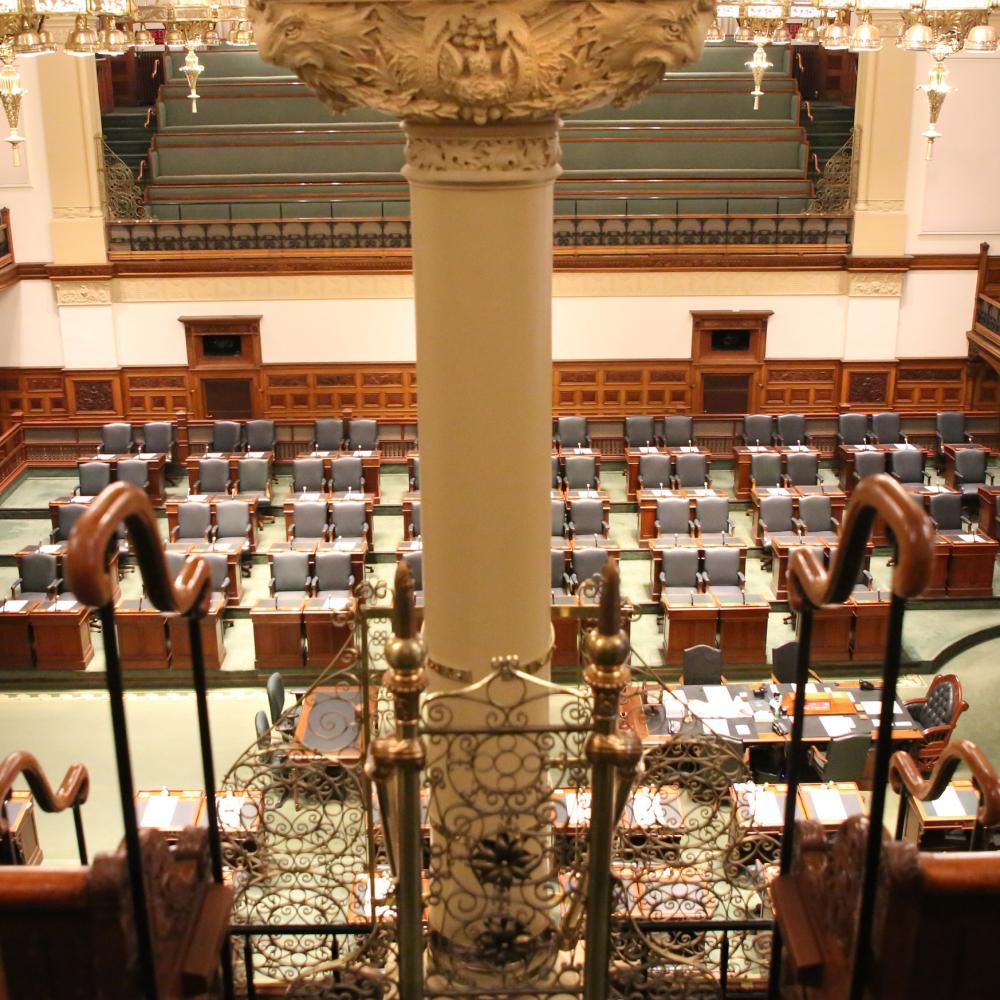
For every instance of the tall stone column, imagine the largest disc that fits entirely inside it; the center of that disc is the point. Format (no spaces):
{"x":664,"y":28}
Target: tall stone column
{"x":481,"y":205}
{"x":480,"y":86}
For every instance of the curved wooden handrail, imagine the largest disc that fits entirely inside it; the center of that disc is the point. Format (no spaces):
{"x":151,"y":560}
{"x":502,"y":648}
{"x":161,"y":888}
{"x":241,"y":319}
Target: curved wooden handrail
{"x":73,"y":790}
{"x":878,"y":495}
{"x":904,"y":773}
{"x":86,"y":555}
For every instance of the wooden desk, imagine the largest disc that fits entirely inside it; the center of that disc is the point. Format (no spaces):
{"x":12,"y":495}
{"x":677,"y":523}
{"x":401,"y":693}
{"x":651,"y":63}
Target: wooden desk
{"x":781,"y":549}
{"x":761,"y":807}
{"x":329,"y":631}
{"x":660,"y":808}
{"x":846,"y":456}
{"x":743,"y":457}
{"x":277,"y":633}
{"x":156,"y":463}
{"x":212,"y":638}
{"x":142,"y":636}
{"x":831,"y":804}
{"x":971,"y":560}
{"x":647,"y":505}
{"x":168,"y":809}
{"x":16,"y":652}
{"x":988,"y":510}
{"x":371,"y":462}
{"x":19,"y":811}
{"x":61,"y":632}
{"x":659,"y":892}
{"x":743,"y":627}
{"x":831,"y":633}
{"x":871,"y":624}
{"x":837,"y":497}
{"x":232,"y":457}
{"x":58,"y":549}
{"x":691,"y":620}
{"x":945,"y":823}
{"x":234,"y":566}
{"x":564,"y":628}
{"x":741,"y":721}
{"x":409,"y":499}
{"x":603,"y":495}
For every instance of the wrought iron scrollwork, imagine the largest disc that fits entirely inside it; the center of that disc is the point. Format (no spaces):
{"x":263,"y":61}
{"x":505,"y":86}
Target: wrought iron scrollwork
{"x":837,"y":184}
{"x":123,"y":198}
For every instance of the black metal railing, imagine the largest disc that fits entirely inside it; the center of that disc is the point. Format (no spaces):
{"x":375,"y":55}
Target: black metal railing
{"x":162,"y":236}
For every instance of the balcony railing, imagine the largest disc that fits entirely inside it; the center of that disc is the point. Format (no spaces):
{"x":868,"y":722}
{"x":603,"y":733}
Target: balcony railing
{"x":682,"y":233}
{"x":988,"y":314}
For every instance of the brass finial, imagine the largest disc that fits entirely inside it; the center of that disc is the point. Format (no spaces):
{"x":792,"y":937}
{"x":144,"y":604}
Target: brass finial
{"x":404,"y":651}
{"x":607,"y":622}
{"x":606,"y":647}
{"x":404,"y":624}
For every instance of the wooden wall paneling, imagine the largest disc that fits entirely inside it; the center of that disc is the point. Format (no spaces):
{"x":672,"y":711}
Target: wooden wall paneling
{"x":933,"y":384}
{"x":799,"y":386}
{"x":384,"y":391}
{"x":983,"y":386}
{"x":155,"y":393}
{"x":619,"y":388}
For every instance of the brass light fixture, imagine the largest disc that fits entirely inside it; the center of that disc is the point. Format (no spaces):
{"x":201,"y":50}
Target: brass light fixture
{"x":11,"y":93}
{"x":940,"y":27}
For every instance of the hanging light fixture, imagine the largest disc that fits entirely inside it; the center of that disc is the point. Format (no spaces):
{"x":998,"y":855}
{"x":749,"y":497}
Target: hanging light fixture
{"x":82,"y":40}
{"x":11,"y":94}
{"x":192,"y":69}
{"x":866,"y":37}
{"x":212,"y":37}
{"x":981,"y":37}
{"x":937,"y":89}
{"x":758,"y":66}
{"x":714,"y":34}
{"x":111,"y":40}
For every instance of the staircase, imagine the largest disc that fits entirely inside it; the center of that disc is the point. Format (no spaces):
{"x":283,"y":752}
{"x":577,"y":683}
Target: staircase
{"x":829,"y":129}
{"x":126,"y":133}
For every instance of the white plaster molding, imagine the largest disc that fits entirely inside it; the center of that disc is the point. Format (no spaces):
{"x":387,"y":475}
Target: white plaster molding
{"x":876,"y":284}
{"x":877,"y":206}
{"x":264,"y":288}
{"x":83,"y":293}
{"x":480,"y":61}
{"x":77,"y":212}
{"x":684,"y":284}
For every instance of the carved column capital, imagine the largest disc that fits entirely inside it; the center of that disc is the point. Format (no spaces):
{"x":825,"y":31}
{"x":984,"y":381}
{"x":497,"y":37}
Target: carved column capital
{"x":480,"y":61}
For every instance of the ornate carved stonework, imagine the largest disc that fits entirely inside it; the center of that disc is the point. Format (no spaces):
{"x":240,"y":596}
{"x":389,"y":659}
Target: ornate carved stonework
{"x":877,"y":284}
{"x":481,"y":61}
{"x":82,"y":293}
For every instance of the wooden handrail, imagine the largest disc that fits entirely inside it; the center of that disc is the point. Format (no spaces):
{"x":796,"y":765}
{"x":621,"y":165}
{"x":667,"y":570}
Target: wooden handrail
{"x":149,"y":117}
{"x":878,"y":495}
{"x":156,"y":69}
{"x":73,"y":790}
{"x":86,"y":555}
{"x":905,"y":774}
{"x":809,"y":110}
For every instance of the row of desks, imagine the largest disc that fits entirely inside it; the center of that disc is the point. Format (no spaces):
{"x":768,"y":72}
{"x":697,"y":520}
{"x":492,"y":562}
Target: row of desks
{"x":45,"y":635}
{"x":315,"y":632}
{"x":743,"y":462}
{"x":156,"y":464}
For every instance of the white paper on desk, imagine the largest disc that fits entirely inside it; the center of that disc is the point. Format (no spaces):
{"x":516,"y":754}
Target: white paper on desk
{"x":212,"y":454}
{"x":256,"y":454}
{"x":837,"y":725}
{"x":778,"y":491}
{"x":968,"y":538}
{"x":64,"y":605}
{"x":345,"y":543}
{"x":363,"y":453}
{"x":864,"y":447}
{"x":828,"y":805}
{"x":700,"y":491}
{"x":874,"y":708}
{"x":718,"y":726}
{"x":757,"y":447}
{"x":647,"y":809}
{"x":337,"y":604}
{"x":949,"y":804}
{"x":743,"y":730}
{"x":647,"y":450}
{"x":50,"y":549}
{"x":765,"y":809}
{"x":763,"y":715}
{"x":81,"y":499}
{"x":319,"y":454}
{"x":659,"y":491}
{"x":197,"y":496}
{"x":230,"y":811}
{"x":106,"y":456}
{"x":306,"y":496}
{"x":811,"y":687}
{"x":147,"y":456}
{"x":160,"y":810}
{"x":716,"y":694}
{"x":13,"y":605}
{"x":672,"y":709}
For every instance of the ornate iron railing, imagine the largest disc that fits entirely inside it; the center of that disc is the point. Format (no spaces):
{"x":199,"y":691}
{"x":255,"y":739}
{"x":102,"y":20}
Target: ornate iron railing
{"x":556,"y":864}
{"x":681,"y":232}
{"x":123,"y":197}
{"x":837,"y":185}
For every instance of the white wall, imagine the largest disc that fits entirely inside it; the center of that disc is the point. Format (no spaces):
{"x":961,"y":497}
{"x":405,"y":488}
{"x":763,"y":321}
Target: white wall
{"x":951,"y":200}
{"x":30,"y":335}
{"x":935,"y":314}
{"x":25,"y":189}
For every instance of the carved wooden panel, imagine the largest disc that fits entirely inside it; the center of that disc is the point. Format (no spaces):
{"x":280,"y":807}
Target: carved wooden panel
{"x":617,"y":388}
{"x":867,"y":385}
{"x":94,"y":395}
{"x":809,"y":387}
{"x":364,"y":390}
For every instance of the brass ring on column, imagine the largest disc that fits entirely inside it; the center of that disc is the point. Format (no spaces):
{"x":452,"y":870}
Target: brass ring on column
{"x":465,"y":676}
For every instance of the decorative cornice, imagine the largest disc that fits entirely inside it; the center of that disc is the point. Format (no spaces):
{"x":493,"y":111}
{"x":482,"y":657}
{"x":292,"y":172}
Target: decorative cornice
{"x":83,"y":293}
{"x":879,"y":207}
{"x":75,"y":212}
{"x":885,"y":284}
{"x":480,"y":62}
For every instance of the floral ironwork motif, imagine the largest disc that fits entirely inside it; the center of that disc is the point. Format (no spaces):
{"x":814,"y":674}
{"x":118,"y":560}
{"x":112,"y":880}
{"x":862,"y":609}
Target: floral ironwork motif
{"x":836,"y":186}
{"x":501,"y":860}
{"x":123,"y":197}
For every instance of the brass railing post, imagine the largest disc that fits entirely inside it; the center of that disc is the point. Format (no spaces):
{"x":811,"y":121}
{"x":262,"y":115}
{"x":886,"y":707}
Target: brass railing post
{"x":614,"y":756}
{"x":394,"y":764}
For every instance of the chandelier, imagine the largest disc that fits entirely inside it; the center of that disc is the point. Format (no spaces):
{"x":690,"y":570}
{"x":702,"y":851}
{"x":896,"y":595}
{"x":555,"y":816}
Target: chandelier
{"x":939,"y":27}
{"x":108,"y":27}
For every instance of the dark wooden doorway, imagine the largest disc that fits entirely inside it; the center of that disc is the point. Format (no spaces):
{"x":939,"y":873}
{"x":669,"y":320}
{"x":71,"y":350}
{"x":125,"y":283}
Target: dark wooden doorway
{"x":725,"y":392}
{"x":228,"y":398}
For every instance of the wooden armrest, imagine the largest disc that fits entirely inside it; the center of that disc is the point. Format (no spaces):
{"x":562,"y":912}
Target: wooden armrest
{"x":797,"y":933}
